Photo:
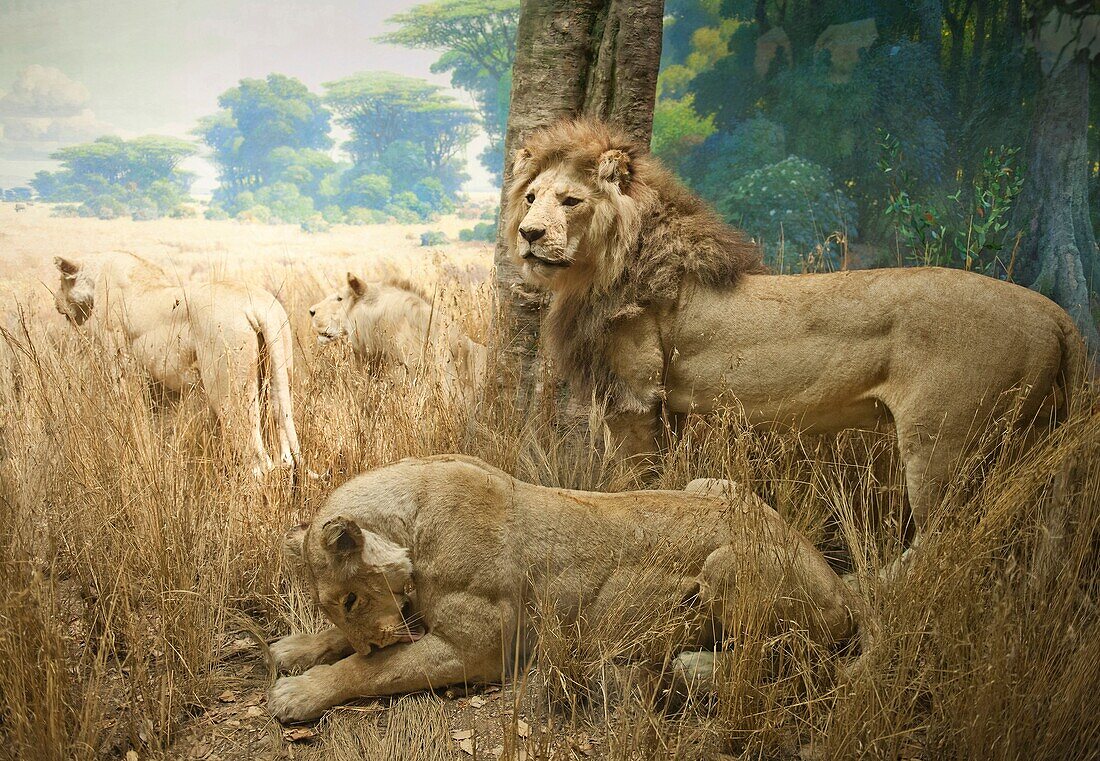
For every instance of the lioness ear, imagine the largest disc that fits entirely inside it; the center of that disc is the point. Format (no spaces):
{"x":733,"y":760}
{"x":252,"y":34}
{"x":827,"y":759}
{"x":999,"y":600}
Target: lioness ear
{"x":614,"y":166}
{"x":520,"y":161}
{"x":68,"y":268}
{"x":342,"y":537}
{"x":358,"y":287}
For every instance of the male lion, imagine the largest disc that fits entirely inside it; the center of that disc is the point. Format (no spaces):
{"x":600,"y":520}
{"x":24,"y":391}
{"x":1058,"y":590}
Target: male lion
{"x":430,"y":568}
{"x":393,"y":323}
{"x":212,"y":335}
{"x":655,"y":301}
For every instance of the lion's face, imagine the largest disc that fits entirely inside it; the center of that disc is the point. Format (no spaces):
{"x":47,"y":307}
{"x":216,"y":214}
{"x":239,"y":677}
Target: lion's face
{"x":362,"y":581}
{"x":559,"y":205}
{"x":75,"y":295}
{"x":331,"y":315}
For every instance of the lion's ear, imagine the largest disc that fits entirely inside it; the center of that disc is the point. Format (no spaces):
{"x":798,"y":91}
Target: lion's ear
{"x":521,"y":161}
{"x":67,"y":267}
{"x":342,"y":538}
{"x":357,"y":286}
{"x":614,"y":166}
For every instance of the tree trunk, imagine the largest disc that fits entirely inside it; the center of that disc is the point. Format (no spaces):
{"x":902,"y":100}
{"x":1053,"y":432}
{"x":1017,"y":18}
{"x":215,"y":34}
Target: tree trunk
{"x":573,"y":57}
{"x":1057,"y":253}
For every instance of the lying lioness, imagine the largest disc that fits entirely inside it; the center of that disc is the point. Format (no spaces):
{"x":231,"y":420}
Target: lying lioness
{"x":428,"y":567}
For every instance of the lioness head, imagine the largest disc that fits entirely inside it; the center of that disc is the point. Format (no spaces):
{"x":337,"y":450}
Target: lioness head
{"x":330,"y":315}
{"x":75,"y":296}
{"x":572,"y":211}
{"x":362,"y":581}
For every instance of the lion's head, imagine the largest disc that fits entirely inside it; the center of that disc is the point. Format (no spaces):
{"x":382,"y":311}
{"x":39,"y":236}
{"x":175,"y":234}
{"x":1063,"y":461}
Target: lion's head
{"x":330,"y":314}
{"x":334,"y":317}
{"x":362,"y":581}
{"x":574,"y":202}
{"x":75,"y":295}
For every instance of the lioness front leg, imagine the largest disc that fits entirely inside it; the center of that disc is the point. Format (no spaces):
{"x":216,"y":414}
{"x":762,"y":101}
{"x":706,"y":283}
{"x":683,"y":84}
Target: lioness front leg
{"x":299,"y":652}
{"x":423,"y":665}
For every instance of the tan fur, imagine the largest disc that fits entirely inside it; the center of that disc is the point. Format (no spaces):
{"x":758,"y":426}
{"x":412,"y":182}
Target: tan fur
{"x":394,"y":323}
{"x":446,"y":556}
{"x":670,"y":309}
{"x":207,"y":335}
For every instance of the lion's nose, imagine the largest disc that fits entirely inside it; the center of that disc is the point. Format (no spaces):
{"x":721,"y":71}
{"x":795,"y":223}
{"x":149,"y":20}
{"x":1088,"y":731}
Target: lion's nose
{"x":532,"y":234}
{"x":312,"y":312}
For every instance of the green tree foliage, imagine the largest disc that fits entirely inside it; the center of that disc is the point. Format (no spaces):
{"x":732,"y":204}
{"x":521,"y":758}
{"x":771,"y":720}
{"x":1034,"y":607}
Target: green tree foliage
{"x":405,"y":129}
{"x":951,"y":82}
{"x":257,"y":118}
{"x":112,"y":177}
{"x":477,"y":39}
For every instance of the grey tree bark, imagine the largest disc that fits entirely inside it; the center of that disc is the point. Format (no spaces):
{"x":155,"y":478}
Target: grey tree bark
{"x":1058,"y":255}
{"x":573,"y":58}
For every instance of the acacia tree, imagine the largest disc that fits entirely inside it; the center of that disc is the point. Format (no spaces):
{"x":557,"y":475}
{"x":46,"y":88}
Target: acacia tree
{"x":478,"y":42}
{"x":573,"y":57}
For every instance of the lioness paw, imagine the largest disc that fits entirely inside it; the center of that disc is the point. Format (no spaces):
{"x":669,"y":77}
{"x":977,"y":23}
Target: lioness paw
{"x":300,"y":652}
{"x":294,"y":699}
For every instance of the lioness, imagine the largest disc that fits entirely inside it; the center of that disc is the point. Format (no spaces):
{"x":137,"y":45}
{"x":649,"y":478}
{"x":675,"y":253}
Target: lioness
{"x":394,"y":323}
{"x":655,"y":301}
{"x":212,"y":335}
{"x":429,"y":567}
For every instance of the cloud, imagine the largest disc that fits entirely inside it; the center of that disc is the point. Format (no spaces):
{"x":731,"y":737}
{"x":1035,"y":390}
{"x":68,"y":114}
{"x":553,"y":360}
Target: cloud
{"x":43,"y":91}
{"x":43,"y":111}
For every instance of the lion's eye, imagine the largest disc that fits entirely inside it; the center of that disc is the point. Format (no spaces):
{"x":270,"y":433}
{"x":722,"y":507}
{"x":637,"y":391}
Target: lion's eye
{"x":570,"y":201}
{"x":339,"y":298}
{"x":530,"y":198}
{"x":349,"y":602}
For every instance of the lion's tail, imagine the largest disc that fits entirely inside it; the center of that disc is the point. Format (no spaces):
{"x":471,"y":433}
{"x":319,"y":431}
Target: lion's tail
{"x":273,"y":333}
{"x":1076,"y":365}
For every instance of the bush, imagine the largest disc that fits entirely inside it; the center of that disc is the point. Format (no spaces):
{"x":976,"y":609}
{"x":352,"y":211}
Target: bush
{"x":794,"y":201}
{"x":727,"y":156}
{"x":258,"y":213}
{"x":315,"y":224}
{"x":358,"y":215}
{"x":286,"y":202}
{"x":433,"y":238}
{"x":482,"y":231}
{"x":333,"y":214}
{"x":216,"y":212}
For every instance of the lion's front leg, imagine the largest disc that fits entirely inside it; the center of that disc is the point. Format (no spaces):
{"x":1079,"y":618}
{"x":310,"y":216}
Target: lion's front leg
{"x":299,"y":652}
{"x":429,"y":663}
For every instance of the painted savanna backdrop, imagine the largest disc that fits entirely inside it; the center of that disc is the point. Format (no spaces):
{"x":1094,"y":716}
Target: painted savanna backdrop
{"x":284,"y":144}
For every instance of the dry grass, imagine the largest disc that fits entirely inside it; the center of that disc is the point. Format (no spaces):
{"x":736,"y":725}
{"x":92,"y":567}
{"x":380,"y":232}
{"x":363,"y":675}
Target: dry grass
{"x":139,"y":562}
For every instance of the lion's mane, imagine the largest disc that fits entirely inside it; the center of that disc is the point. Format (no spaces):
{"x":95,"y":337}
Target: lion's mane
{"x":647,"y":243}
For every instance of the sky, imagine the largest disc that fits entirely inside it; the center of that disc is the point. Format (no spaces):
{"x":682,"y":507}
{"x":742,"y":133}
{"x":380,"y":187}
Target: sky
{"x":72,"y":70}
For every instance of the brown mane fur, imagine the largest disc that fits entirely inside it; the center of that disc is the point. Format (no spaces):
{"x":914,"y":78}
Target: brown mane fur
{"x":646,"y":248}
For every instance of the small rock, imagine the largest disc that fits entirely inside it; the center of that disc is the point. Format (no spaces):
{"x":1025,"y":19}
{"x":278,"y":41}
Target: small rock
{"x":228,"y":697}
{"x":477,"y":701}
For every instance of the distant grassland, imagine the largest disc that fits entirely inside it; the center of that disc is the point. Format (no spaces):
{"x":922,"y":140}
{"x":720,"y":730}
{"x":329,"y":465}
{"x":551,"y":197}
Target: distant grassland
{"x":140,"y":563}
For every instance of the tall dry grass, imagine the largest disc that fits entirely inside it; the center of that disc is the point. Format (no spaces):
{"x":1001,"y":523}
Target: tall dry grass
{"x":137,"y":553}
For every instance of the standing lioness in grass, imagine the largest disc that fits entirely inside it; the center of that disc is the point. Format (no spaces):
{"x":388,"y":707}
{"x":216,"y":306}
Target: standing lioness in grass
{"x":223,"y":337}
{"x":393,"y":323}
{"x":656,"y":302}
{"x":430,"y":570}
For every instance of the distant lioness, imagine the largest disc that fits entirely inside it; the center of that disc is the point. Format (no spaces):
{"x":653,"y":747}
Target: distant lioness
{"x":208,"y":335}
{"x":430,"y":568}
{"x":394,"y":323}
{"x":657,"y":302}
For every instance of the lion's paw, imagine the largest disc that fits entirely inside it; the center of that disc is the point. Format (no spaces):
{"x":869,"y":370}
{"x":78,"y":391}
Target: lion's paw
{"x":295,"y":699}
{"x":299,"y":652}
